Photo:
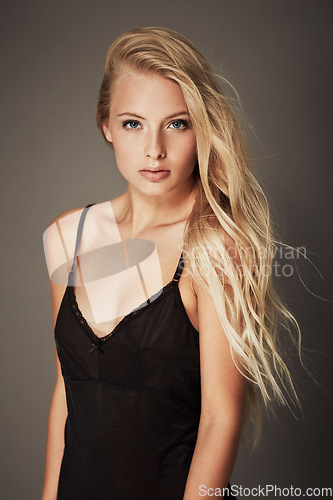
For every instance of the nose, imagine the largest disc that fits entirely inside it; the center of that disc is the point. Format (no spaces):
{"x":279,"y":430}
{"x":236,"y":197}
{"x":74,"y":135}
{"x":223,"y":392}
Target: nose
{"x":155,"y":147}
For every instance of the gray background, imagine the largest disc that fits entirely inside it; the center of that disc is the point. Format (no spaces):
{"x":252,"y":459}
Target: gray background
{"x":277,"y":55}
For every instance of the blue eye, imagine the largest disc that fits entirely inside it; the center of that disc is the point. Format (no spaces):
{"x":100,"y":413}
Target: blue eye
{"x":177,"y":124}
{"x":131,"y":122}
{"x":181,"y":123}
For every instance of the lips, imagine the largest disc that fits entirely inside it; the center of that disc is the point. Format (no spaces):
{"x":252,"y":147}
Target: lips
{"x":155,"y":175}
{"x":157,"y":169}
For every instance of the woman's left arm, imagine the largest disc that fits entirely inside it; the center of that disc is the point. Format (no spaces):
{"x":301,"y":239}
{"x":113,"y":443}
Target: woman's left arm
{"x":223,"y":397}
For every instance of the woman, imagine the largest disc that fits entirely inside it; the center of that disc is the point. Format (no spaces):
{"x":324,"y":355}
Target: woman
{"x":166,"y":323}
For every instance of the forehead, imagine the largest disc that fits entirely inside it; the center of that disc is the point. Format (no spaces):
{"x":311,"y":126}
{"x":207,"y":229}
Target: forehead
{"x":146,"y":91}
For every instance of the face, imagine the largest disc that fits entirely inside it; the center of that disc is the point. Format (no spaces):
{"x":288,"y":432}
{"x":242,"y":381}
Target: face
{"x":150,"y":127}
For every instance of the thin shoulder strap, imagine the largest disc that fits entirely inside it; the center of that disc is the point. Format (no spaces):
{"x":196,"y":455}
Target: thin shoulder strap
{"x":179,"y":269}
{"x":79,"y":233}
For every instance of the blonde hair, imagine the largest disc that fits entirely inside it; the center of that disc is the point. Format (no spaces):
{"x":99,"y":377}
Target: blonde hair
{"x":230,"y":207}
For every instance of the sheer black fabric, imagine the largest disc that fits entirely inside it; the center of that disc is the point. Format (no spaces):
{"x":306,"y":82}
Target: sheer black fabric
{"x":133,"y":399}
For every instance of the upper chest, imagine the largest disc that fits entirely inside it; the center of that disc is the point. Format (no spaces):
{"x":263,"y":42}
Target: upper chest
{"x":129,"y":272}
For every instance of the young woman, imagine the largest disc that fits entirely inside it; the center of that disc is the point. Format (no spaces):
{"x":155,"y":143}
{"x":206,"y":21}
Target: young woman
{"x":166,"y":322}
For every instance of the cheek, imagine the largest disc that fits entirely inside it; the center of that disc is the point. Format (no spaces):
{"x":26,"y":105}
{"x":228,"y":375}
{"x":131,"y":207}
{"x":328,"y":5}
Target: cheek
{"x":129,"y":137}
{"x":124,"y":147}
{"x":188,"y":149}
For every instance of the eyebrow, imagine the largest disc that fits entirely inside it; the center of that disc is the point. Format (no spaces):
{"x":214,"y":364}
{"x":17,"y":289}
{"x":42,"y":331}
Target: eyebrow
{"x":181,"y":113}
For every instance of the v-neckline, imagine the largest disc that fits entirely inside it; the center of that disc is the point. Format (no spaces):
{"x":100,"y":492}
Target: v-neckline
{"x":98,"y":340}
{"x":87,"y":328}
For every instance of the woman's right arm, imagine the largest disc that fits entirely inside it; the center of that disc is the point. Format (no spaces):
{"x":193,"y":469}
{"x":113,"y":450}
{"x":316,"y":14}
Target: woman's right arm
{"x":57,"y":417}
{"x":54,"y":238}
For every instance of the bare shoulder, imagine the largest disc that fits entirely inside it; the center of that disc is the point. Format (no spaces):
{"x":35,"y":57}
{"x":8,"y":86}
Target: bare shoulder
{"x":232,"y":248}
{"x":53,"y":235}
{"x":65,"y":222}
{"x":230,"y":245}
{"x":63,"y":215}
{"x":60,"y":233}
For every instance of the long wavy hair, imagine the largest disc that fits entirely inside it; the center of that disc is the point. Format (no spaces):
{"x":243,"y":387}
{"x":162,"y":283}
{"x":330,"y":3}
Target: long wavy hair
{"x":229,"y":242}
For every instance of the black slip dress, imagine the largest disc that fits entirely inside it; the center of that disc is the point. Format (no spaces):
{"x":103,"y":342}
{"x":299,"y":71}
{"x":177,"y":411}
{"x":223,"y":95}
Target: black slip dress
{"x":133,"y":399}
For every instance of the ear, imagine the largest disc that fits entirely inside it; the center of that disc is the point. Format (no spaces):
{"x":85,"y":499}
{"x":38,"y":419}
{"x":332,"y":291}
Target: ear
{"x":106,"y":130}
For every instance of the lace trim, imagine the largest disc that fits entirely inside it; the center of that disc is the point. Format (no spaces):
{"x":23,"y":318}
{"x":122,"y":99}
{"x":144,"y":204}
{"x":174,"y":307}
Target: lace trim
{"x":83,"y":322}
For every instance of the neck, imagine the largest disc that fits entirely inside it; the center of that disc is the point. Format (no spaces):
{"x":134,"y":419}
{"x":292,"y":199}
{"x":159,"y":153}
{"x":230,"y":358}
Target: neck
{"x":141,"y":211}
